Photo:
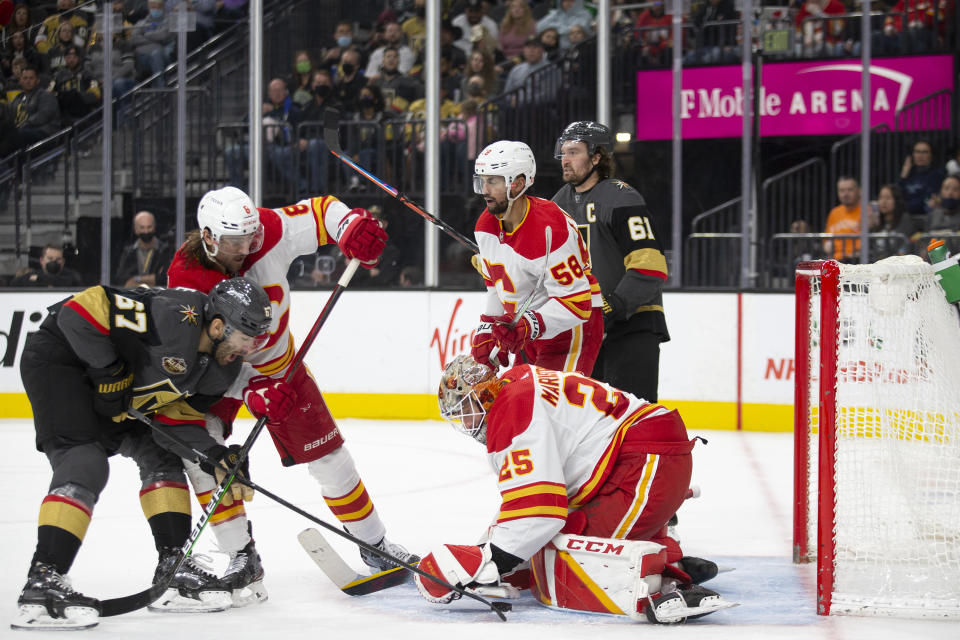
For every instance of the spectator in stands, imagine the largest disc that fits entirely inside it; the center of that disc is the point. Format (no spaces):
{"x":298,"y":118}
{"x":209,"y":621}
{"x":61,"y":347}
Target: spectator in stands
{"x":281,"y":115}
{"x":35,"y":111}
{"x":543,"y":90}
{"x":145,"y":261}
{"x":890,"y":216}
{"x":77,"y":91}
{"x":577,"y":35}
{"x":945,"y":215}
{"x":300,"y":78}
{"x":411,"y":276}
{"x":20,"y":21}
{"x":655,"y":35}
{"x":364,"y":145}
{"x":716,"y":43}
{"x":19,"y":47}
{"x":56,"y":54}
{"x":392,"y":38}
{"x":481,"y":65}
{"x":52,"y":271}
{"x":124,"y":65}
{"x":566,"y":14}
{"x":473,"y":14}
{"x":387,"y":271}
{"x":11,"y":86}
{"x":450,"y":75}
{"x":349,"y":79}
{"x":468,"y":113}
{"x":550,"y":39}
{"x":415,"y":27}
{"x":65,"y":13}
{"x":517,"y":25}
{"x":919,"y":178}
{"x":844,"y":218}
{"x":449,"y":34}
{"x":133,"y":11}
{"x":342,"y":39}
{"x":923,"y":30}
{"x":311,"y":139}
{"x":231,"y":11}
{"x":153,"y":43}
{"x":815,"y":30}
{"x":398,"y":90}
{"x":206,"y":16}
{"x":482,"y":40}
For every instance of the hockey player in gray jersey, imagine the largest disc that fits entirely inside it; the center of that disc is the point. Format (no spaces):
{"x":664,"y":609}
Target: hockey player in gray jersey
{"x":169,"y":353}
{"x":626,"y":257}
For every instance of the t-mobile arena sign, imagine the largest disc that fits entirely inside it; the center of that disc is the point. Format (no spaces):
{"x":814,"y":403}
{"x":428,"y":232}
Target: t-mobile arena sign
{"x":796,"y":99}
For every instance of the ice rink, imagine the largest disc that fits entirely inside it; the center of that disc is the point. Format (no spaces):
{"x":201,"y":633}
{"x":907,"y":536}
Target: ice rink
{"x":431,"y":485}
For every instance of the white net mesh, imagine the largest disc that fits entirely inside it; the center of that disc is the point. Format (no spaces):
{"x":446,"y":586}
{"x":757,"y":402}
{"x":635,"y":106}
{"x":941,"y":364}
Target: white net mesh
{"x":897,"y":464}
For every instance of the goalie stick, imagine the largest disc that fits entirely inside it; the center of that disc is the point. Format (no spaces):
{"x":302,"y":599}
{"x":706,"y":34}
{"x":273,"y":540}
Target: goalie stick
{"x":331,"y":136}
{"x":126,"y":604}
{"x":342,"y":574}
{"x":184,"y":450}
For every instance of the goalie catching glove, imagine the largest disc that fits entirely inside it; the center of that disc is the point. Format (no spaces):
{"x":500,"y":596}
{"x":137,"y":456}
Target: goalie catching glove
{"x":220,"y":459}
{"x":266,"y":396}
{"x":466,"y":567}
{"x":528,"y":328}
{"x":360,"y":236}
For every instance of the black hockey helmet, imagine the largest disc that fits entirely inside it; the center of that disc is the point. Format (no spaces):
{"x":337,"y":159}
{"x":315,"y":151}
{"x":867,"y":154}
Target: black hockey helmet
{"x":593,"y":134}
{"x":242,"y":304}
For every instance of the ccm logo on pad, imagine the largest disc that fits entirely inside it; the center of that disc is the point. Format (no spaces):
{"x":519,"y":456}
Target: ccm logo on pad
{"x":594,"y":546}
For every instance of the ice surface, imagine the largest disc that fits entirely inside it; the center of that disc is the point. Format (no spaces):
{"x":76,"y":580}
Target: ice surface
{"x":431,"y":485}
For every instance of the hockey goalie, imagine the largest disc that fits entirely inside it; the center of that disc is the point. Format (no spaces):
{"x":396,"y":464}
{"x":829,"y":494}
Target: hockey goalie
{"x":589,"y":477}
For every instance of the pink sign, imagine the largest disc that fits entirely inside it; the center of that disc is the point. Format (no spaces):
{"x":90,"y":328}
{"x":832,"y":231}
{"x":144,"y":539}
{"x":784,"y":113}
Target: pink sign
{"x":797,"y":98}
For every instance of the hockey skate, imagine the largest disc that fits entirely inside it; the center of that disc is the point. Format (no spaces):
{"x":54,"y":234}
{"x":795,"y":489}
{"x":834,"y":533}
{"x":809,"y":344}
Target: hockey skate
{"x":245,"y":576}
{"x":379,"y":563}
{"x":699,"y":569}
{"x":685,"y":602}
{"x":193,"y":589}
{"x":49,"y":602}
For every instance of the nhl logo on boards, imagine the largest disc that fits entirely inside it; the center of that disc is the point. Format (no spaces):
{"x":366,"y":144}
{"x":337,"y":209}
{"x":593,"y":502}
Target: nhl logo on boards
{"x":174,"y":366}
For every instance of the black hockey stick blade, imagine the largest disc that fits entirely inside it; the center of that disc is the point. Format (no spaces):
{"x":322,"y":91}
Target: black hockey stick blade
{"x":341,"y":574}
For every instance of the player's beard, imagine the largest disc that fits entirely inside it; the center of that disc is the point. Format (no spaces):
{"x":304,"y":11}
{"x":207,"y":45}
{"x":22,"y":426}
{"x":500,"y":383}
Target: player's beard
{"x":496,"y":207}
{"x":571,"y":176}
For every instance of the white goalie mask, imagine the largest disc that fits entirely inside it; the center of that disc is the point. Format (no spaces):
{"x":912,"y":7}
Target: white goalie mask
{"x":467,"y":391}
{"x":231,"y":218}
{"x":508,"y":159}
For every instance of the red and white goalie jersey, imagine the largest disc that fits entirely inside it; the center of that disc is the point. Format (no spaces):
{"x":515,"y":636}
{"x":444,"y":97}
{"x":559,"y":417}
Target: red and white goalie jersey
{"x":288,"y":232}
{"x":513,"y":261}
{"x":561,"y":442}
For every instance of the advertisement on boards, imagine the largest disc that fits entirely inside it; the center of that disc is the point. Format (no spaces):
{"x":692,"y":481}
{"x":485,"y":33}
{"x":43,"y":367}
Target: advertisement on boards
{"x":820,"y":97}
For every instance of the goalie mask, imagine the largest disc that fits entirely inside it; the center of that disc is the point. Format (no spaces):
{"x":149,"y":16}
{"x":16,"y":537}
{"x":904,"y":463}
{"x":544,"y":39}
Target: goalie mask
{"x":467,"y":391}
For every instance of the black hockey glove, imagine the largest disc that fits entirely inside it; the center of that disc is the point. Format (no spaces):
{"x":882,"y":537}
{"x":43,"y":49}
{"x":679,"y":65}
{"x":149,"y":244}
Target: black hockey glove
{"x":112,"y":389}
{"x":614,"y":310}
{"x":219,"y":459}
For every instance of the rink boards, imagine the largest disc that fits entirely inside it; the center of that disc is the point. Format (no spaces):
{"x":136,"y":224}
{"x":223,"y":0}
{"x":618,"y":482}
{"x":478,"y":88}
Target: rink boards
{"x":729,"y":363}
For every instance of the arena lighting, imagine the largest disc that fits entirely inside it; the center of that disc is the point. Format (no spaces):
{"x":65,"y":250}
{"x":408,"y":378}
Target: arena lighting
{"x":623,"y":136}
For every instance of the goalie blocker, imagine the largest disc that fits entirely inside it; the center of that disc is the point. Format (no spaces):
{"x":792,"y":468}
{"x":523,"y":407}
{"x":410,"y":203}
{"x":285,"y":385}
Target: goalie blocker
{"x":579,"y":573}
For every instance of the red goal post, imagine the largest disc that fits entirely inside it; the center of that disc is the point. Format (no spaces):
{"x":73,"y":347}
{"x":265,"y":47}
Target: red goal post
{"x":877,"y":438}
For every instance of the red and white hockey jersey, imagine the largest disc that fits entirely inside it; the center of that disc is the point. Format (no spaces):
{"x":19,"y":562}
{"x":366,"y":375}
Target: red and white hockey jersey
{"x":288,"y":232}
{"x":553,"y":438}
{"x":511,"y":264}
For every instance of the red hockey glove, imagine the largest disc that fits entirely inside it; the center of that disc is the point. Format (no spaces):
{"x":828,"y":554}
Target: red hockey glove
{"x":459,"y":565}
{"x":528,"y":328}
{"x":266,"y":396}
{"x":360,"y":236}
{"x":484,"y":348}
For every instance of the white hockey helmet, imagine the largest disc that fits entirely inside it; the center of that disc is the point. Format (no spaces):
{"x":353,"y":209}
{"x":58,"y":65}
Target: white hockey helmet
{"x":467,"y":391}
{"x":229,"y":212}
{"x":506,"y":158}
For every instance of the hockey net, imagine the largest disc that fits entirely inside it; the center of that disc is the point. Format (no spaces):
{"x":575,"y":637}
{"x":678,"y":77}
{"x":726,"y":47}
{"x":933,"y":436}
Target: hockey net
{"x":877,"y":438}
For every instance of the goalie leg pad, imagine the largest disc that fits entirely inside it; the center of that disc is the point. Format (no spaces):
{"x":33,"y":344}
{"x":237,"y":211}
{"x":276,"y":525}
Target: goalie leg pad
{"x":600,"y":575}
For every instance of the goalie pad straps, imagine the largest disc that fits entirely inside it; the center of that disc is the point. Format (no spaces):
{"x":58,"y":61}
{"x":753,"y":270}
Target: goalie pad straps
{"x":600,"y":575}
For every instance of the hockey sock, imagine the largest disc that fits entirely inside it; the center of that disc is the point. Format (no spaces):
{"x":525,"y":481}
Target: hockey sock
{"x":62,"y":524}
{"x":228,"y":523}
{"x":344,"y":493}
{"x":166,"y":505}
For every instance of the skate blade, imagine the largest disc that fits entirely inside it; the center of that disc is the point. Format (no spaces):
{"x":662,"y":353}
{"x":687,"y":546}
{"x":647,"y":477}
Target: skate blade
{"x":208,"y":602}
{"x":253,"y":593}
{"x":36,"y":617}
{"x":675,"y":610}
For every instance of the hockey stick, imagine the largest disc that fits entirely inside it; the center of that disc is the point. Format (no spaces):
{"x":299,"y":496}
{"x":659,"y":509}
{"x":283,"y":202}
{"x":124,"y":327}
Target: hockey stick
{"x":342,"y":574}
{"x":184,"y":450}
{"x":126,"y":604}
{"x":331,"y":136}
